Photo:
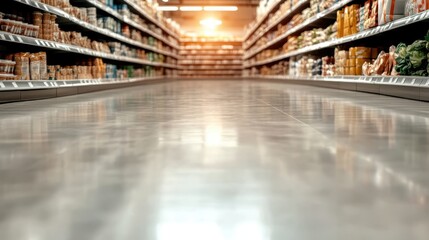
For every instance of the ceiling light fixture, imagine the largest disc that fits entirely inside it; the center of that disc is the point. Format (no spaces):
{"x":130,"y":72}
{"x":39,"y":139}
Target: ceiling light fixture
{"x":168,"y":8}
{"x":191,"y":8}
{"x":221,"y":8}
{"x":165,"y":0}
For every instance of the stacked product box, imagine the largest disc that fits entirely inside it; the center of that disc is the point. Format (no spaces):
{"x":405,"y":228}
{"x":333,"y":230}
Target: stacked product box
{"x":350,"y":62}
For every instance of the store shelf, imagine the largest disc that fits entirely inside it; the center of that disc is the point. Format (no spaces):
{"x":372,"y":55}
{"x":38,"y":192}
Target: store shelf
{"x":13,"y":91}
{"x":416,"y":88}
{"x":273,"y":8}
{"x":41,"y":43}
{"x":210,"y":49}
{"x":71,"y":19}
{"x":294,"y":10}
{"x":402,"y":22}
{"x":130,"y":22}
{"x":390,"y":80}
{"x":49,"y":84}
{"x":150,"y":18}
{"x":310,"y":21}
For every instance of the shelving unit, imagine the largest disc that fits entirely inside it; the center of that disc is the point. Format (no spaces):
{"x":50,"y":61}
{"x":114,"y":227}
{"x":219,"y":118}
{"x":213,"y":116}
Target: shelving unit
{"x":257,"y":56}
{"x":210,"y":58}
{"x":160,"y":54}
{"x":274,"y":7}
{"x":403,"y":22}
{"x":12,"y":91}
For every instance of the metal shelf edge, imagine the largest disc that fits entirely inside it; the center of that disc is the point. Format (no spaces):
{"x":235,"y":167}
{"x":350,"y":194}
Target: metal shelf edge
{"x":309,"y":21}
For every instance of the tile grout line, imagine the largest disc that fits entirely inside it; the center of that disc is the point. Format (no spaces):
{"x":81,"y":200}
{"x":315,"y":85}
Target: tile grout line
{"x":294,"y":118}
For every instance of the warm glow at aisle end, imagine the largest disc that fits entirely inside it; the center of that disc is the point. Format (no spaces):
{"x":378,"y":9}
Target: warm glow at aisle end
{"x":199,"y":8}
{"x":210,"y":23}
{"x":221,"y":8}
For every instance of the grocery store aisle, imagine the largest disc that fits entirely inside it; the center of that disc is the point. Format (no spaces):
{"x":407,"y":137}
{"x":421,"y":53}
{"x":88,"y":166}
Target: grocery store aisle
{"x":215,"y":160}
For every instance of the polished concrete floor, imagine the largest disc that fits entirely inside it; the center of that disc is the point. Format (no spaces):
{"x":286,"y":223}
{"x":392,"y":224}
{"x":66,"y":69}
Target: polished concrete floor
{"x":215,"y":160}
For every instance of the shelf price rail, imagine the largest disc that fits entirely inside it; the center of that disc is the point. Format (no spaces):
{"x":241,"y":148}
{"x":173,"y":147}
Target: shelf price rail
{"x":18,"y":39}
{"x":296,"y":29}
{"x":255,"y":27}
{"x":144,"y":14}
{"x":130,"y":22}
{"x":295,"y":8}
{"x":60,"y":13}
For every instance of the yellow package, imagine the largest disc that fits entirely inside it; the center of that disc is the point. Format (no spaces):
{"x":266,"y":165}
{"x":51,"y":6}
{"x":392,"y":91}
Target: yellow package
{"x":352,"y":52}
{"x":358,"y":70}
{"x":346,"y":17}
{"x":361,"y":61}
{"x":340,"y":23}
{"x":363,"y":52}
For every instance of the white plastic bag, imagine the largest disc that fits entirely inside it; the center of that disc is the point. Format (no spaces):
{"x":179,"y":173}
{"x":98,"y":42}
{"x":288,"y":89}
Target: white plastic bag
{"x":389,"y":10}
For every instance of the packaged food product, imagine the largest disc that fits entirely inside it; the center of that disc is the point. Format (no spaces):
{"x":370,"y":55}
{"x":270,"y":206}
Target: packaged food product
{"x":340,"y":22}
{"x":37,"y":18}
{"x":7,"y":77}
{"x":358,"y":70}
{"x":7,"y":66}
{"x":352,"y":52}
{"x":360,"y":61}
{"x":363,"y":52}
{"x":366,"y":69}
{"x":22,"y":67}
{"x":35,"y":66}
{"x":43,"y":66}
{"x":389,"y":10}
{"x":415,"y":6}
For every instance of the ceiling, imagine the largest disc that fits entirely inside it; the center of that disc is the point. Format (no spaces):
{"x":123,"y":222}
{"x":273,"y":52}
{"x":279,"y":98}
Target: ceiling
{"x":232,"y":22}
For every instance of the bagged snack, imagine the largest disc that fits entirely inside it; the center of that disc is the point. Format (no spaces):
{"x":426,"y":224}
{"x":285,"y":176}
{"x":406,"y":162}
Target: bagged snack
{"x":367,"y":69}
{"x":22,"y":67}
{"x":43,"y":66}
{"x":415,"y":6}
{"x":34,"y":66}
{"x":389,"y":10}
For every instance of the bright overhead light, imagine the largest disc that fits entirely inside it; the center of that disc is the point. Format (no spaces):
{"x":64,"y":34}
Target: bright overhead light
{"x":165,"y":0}
{"x":191,"y":8}
{"x":168,"y":8}
{"x":210,"y":23}
{"x":220,"y":8}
